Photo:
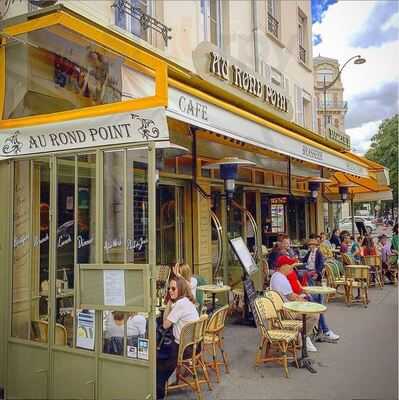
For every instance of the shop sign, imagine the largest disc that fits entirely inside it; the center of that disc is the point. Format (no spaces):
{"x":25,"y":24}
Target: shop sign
{"x":124,"y":128}
{"x":226,"y":123}
{"x":338,"y":137}
{"x":235,"y":77}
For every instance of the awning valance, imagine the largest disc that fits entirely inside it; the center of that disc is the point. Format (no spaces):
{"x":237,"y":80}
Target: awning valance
{"x":140,"y":126}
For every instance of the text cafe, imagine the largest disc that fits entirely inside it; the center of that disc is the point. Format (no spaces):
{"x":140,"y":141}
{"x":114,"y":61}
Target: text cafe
{"x":110,"y":164}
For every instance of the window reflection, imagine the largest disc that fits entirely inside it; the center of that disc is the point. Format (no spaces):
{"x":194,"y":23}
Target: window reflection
{"x":125,"y":334}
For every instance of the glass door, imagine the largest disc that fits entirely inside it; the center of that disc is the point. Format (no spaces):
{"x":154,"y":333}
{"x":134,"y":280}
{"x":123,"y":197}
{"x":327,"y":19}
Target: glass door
{"x":170,"y":224}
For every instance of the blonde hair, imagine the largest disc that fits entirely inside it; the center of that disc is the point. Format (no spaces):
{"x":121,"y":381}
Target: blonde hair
{"x":185,"y":271}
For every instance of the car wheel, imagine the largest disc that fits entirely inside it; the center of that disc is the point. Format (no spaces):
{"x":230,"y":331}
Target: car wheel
{"x":369,"y":230}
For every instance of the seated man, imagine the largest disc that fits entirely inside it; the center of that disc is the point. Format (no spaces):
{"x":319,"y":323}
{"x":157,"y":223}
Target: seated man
{"x":281,"y":284}
{"x":324,"y":331}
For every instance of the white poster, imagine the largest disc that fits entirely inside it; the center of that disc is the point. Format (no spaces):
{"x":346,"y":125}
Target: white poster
{"x":114,"y":287}
{"x":85,"y":337}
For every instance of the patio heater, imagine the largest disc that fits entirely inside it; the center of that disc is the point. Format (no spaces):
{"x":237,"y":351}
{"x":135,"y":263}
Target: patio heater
{"x":228,"y":172}
{"x":343,"y":189}
{"x":314,"y":184}
{"x":164,"y":152}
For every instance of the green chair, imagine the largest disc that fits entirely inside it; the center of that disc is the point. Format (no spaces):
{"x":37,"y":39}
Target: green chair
{"x":200,"y":299}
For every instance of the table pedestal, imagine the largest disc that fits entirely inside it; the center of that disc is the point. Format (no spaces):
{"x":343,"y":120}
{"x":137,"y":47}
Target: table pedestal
{"x":304,"y":361}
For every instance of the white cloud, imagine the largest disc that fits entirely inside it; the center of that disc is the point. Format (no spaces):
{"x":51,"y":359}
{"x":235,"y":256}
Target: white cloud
{"x":341,"y":22}
{"x":361,"y":136}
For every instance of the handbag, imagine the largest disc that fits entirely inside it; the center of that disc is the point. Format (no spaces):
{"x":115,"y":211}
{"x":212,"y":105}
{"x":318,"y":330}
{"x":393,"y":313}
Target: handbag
{"x":165,"y":341}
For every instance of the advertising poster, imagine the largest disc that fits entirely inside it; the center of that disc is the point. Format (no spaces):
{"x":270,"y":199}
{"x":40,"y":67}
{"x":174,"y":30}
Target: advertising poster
{"x":85,"y":337}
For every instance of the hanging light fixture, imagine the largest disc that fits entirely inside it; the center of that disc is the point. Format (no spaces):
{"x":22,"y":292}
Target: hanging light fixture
{"x":228,"y":172}
{"x":314,"y":184}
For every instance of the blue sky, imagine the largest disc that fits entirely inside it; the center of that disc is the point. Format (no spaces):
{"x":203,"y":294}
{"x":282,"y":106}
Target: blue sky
{"x":342,"y":29}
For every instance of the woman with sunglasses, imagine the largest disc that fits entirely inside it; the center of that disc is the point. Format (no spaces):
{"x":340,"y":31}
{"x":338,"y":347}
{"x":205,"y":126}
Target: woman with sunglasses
{"x":179,"y":311}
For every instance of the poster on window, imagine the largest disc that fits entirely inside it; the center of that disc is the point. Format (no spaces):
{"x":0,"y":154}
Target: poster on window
{"x":85,"y":337}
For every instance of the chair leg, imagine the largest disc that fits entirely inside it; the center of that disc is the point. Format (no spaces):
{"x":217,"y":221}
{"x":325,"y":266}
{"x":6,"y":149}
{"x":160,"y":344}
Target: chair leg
{"x":215,"y":365}
{"x":205,"y":370}
{"x":224,"y":355}
{"x":285,"y":358}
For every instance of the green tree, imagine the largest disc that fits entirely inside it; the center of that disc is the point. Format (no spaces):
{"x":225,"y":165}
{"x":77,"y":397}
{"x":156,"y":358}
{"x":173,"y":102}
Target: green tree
{"x":384,"y":150}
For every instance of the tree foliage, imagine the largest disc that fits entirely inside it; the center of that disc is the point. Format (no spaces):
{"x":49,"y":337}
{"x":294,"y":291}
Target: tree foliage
{"x":384,"y":150}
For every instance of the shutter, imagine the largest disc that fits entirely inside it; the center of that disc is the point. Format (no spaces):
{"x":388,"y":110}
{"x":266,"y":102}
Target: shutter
{"x":298,"y":105}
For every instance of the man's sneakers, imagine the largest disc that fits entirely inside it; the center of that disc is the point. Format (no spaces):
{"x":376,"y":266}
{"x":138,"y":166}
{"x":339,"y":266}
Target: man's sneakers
{"x":331,"y":335}
{"x":309,"y":345}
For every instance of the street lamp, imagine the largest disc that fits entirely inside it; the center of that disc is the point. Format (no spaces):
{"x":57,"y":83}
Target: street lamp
{"x":358,"y":60}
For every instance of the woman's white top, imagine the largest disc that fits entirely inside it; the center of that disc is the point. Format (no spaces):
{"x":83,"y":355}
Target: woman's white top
{"x":136,"y":326}
{"x":183,"y":311}
{"x":193,"y":286}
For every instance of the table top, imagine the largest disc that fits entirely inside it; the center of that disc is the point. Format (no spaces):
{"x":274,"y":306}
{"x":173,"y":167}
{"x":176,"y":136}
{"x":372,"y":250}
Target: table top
{"x":319,"y":290}
{"x":304,"y":307}
{"x":357,"y":266}
{"x":214,"y":288}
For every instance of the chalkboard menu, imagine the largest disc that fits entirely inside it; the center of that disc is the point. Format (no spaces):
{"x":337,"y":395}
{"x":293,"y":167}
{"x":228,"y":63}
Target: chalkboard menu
{"x":243,"y":254}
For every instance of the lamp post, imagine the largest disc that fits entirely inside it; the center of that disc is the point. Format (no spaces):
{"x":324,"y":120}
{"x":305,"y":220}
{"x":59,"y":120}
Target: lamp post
{"x":358,"y":60}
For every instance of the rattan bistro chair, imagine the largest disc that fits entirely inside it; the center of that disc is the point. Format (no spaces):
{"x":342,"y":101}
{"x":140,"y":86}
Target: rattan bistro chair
{"x":375,"y":263}
{"x":274,"y":343}
{"x":214,"y":338}
{"x":356,"y":277}
{"x":286,"y":319}
{"x":190,"y":358}
{"x":334,"y":279}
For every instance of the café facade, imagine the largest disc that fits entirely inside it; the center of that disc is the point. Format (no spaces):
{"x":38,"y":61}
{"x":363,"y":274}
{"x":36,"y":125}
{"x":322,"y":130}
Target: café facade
{"x":103,"y":154}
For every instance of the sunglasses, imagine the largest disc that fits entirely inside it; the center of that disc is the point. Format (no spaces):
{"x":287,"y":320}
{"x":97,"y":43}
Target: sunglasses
{"x":172,"y":288}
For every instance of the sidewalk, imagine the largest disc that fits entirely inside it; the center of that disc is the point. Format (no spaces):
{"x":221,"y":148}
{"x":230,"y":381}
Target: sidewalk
{"x":363,"y":365}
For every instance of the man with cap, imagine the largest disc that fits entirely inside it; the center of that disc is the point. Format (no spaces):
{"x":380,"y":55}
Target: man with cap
{"x":280,"y":283}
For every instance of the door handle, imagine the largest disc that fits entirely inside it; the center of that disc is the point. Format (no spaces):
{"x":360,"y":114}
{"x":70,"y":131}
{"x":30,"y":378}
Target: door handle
{"x":40,"y":371}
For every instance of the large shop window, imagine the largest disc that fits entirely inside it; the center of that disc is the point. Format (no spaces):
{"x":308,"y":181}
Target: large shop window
{"x":55,"y":69}
{"x":125,"y":174}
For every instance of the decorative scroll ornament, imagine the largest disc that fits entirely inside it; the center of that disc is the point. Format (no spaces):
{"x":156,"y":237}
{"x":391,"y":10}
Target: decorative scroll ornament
{"x":12,"y":145}
{"x":145,"y":128}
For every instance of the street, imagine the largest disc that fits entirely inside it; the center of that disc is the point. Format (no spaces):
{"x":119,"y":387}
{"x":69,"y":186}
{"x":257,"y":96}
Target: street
{"x":362,"y":365}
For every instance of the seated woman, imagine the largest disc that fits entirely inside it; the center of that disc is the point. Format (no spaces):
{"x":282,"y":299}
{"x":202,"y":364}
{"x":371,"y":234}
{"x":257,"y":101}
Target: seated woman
{"x":180,"y":310}
{"x":356,"y":250}
{"x":184,"y":271}
{"x":296,"y":286}
{"x":345,"y":242}
{"x":368,"y":247}
{"x":314,"y":261}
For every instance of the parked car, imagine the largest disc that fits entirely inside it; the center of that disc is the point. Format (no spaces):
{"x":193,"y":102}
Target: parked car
{"x":346,"y":224}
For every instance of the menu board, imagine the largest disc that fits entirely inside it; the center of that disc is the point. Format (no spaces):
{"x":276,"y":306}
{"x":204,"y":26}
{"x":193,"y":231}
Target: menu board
{"x":243,"y":254}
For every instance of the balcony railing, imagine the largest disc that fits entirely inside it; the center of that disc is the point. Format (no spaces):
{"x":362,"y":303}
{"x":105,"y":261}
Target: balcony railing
{"x":338,"y":105}
{"x":146,"y":21}
{"x":302,"y":54}
{"x":272,"y":25}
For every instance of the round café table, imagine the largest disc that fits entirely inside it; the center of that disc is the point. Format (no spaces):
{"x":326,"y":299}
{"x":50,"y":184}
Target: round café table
{"x":214,"y":290}
{"x":323,"y":290}
{"x":304,"y":308}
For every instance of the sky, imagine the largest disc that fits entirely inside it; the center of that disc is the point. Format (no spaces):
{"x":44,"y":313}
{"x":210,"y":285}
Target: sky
{"x":342,"y":29}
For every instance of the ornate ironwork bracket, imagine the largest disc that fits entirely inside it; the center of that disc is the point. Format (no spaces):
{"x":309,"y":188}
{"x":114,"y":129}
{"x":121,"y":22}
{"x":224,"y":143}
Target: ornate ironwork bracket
{"x":146,"y":21}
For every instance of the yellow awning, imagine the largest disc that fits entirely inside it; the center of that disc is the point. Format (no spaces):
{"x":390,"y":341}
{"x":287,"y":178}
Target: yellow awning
{"x":367,"y":189}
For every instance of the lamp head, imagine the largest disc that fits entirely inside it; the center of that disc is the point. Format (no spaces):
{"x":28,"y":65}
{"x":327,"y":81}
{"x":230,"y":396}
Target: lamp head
{"x":228,"y":172}
{"x":344,"y":190}
{"x":359,"y":60}
{"x":314,"y":184}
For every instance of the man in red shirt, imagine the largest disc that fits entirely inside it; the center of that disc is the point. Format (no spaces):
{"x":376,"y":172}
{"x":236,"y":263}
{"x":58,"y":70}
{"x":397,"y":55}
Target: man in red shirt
{"x":297,"y":289}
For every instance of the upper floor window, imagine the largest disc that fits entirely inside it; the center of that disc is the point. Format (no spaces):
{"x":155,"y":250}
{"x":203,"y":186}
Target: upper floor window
{"x":302,"y":36}
{"x":137,"y":16}
{"x":273,"y":17}
{"x":277,"y":77}
{"x":326,"y":74}
{"x":212,"y":17}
